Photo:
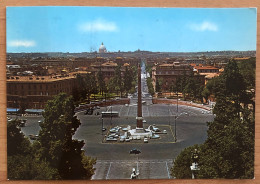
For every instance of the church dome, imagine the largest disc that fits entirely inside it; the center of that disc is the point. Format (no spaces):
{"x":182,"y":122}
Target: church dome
{"x":102,"y":48}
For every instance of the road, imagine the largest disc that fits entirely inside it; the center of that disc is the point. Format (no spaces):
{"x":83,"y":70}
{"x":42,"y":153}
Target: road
{"x":155,"y":160}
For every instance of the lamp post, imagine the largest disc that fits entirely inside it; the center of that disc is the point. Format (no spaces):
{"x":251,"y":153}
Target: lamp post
{"x":177,"y":100}
{"x":111,"y":116}
{"x":102,"y":127}
{"x":135,"y":174}
{"x":194,"y":167}
{"x":175,"y":132}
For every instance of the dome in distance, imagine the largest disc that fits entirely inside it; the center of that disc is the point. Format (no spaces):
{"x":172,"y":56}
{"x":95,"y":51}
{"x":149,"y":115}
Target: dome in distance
{"x":102,"y":48}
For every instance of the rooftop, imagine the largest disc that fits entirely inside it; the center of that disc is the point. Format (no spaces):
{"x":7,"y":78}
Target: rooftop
{"x":38,"y":78}
{"x":205,"y":68}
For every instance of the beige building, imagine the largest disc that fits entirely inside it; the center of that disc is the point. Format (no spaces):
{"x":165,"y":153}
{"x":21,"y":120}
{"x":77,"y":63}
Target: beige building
{"x":32,"y":92}
{"x":167,"y":74}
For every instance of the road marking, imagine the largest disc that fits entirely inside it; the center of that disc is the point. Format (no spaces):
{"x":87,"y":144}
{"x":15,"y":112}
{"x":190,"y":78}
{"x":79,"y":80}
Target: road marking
{"x":167,"y":170}
{"x":128,"y":111}
{"x":172,"y":131}
{"x":108,"y":170}
{"x":108,"y":108}
{"x":120,"y":110}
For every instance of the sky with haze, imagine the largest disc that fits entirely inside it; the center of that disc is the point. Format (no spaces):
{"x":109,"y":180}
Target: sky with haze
{"x":83,"y":29}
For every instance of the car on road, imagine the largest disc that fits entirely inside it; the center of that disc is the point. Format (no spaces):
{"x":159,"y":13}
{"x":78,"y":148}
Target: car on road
{"x":40,"y":121}
{"x":89,"y":111}
{"x":145,"y":140}
{"x":103,"y":129}
{"x":135,"y":151}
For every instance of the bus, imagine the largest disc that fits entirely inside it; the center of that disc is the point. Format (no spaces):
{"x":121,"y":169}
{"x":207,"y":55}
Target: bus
{"x":109,"y":114}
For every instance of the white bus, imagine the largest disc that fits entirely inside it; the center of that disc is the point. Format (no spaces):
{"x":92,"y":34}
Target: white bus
{"x":108,"y":114}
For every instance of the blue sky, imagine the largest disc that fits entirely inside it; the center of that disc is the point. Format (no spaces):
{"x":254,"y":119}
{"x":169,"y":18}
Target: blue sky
{"x":83,"y":29}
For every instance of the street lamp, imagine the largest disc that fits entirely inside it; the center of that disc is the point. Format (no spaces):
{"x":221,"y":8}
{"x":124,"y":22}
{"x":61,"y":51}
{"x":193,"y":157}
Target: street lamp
{"x":111,"y":116}
{"x":177,"y":100}
{"x":194,"y":167}
{"x":135,"y":151}
{"x":102,"y":128}
{"x":175,"y":132}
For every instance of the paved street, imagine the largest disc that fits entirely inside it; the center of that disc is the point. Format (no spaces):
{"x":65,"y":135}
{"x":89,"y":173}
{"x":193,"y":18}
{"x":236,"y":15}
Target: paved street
{"x":191,"y":129}
{"x":121,"y":169}
{"x":155,"y":160}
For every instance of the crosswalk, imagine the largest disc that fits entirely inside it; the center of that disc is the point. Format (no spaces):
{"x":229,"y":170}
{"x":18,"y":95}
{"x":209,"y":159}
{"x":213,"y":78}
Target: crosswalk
{"x":122,"y":169}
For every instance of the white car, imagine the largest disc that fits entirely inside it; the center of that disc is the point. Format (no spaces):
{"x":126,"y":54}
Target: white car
{"x":122,"y":138}
{"x":145,"y":140}
{"x":111,"y":139}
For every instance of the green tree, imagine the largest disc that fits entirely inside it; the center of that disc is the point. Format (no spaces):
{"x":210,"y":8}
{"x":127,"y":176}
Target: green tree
{"x":205,"y":93}
{"x":228,"y":151}
{"x":57,"y":145}
{"x":158,"y":85}
{"x":28,"y":167}
{"x":101,"y":82}
{"x":16,"y":142}
{"x":128,"y":79}
{"x":181,"y":165}
{"x":118,"y":82}
{"x":150,"y":85}
{"x":23,"y":163}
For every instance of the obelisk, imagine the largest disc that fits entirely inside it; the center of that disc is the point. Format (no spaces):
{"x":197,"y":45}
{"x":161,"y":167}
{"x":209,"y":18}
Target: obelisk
{"x":139,"y":117}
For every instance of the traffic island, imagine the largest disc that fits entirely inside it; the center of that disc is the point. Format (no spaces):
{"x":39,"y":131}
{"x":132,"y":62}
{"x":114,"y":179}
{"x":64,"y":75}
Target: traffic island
{"x":121,"y":135}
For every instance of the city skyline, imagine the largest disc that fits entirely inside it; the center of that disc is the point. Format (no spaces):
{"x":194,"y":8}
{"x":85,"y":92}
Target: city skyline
{"x":83,"y":29}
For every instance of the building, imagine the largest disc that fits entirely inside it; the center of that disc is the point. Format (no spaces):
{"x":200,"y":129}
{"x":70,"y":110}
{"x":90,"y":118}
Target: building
{"x":102,"y":48}
{"x":33,"y":92}
{"x":167,"y":74}
{"x":107,"y":69}
{"x":208,"y":71}
{"x":205,"y":69}
{"x":195,"y":61}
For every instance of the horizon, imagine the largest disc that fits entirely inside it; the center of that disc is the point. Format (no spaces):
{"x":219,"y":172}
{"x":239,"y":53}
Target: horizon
{"x":136,"y":51}
{"x":128,"y":29}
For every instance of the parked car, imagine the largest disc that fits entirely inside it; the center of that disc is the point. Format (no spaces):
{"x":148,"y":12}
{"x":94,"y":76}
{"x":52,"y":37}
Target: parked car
{"x":122,"y":138}
{"x":111,"y":139}
{"x":145,"y":140}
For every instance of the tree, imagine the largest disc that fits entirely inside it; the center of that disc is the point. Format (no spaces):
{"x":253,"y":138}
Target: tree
{"x":158,"y":85}
{"x":86,"y":85}
{"x":228,"y":151}
{"x":181,"y":165}
{"x":56,"y":143}
{"x":16,"y":142}
{"x":23,"y":163}
{"x":150,"y":85}
{"x":128,"y":79}
{"x":205,"y":93}
{"x":118,"y":82}
{"x":101,"y":82}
